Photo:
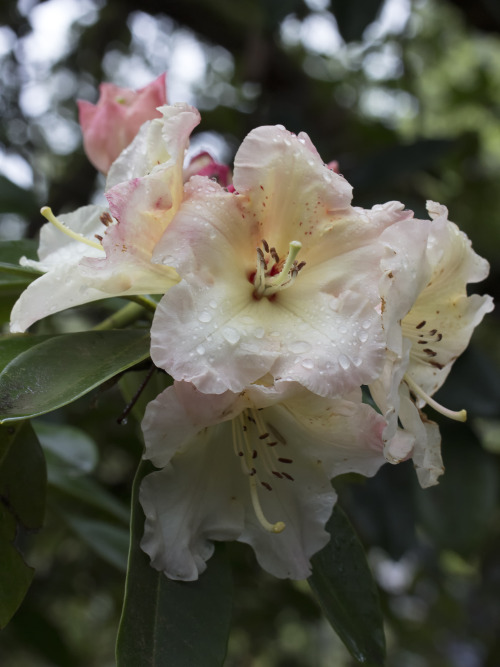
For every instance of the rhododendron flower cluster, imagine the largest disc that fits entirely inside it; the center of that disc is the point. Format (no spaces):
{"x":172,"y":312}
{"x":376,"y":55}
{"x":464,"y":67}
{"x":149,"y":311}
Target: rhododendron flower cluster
{"x":280,"y":301}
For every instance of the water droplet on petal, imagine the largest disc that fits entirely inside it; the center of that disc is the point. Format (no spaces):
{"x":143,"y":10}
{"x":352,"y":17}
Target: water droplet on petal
{"x":259,"y":332}
{"x":205,"y":316}
{"x":231,"y":335}
{"x":307,"y":363}
{"x":344,"y":362}
{"x":363,"y":336}
{"x":366,"y":324}
{"x":299,"y":346}
{"x":212,"y":304}
{"x":201,"y":350}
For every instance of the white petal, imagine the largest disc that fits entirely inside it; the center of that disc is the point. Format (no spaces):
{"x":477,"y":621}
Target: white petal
{"x":156,"y":143}
{"x":190,"y":503}
{"x":290,"y":188}
{"x":443,"y":317}
{"x":426,"y":453}
{"x":57,"y":248}
{"x":174,"y":417}
{"x":60,"y":288}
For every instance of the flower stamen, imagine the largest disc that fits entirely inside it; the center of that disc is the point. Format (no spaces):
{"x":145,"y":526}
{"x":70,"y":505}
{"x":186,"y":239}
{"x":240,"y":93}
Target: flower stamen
{"x":46,"y":211}
{"x":270,"y":279}
{"x":459,"y":416}
{"x":243,"y":449}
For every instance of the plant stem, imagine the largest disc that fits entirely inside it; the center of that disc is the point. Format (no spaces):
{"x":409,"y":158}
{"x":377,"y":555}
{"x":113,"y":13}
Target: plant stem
{"x":126,"y":315}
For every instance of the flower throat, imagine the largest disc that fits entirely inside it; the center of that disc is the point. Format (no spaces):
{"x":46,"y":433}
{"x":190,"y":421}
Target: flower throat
{"x":274,"y":274}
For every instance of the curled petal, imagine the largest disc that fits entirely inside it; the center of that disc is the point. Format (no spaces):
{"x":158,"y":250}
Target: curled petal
{"x":254,"y":467}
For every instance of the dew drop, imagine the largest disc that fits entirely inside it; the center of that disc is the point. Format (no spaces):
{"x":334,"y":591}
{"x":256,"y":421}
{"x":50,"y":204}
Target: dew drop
{"x":307,"y":363}
{"x":366,"y":324}
{"x":205,"y":316}
{"x":363,"y":336}
{"x":212,"y":304}
{"x":201,"y":350}
{"x":276,"y":334}
{"x":231,"y":335}
{"x":344,"y":362}
{"x":299,"y":346}
{"x":259,"y":333}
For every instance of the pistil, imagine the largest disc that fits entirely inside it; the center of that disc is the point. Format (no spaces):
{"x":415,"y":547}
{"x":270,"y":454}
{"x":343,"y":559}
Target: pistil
{"x":46,"y":211}
{"x":459,"y":416}
{"x":243,"y":449}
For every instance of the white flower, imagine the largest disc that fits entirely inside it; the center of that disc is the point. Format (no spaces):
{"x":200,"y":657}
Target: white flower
{"x":108,"y":253}
{"x":253,"y":467}
{"x":278,"y":277}
{"x":429,"y":320}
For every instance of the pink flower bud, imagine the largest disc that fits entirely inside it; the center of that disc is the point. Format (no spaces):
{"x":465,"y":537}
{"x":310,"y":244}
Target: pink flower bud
{"x":110,"y":125}
{"x":203,"y":164}
{"x":334,"y":166}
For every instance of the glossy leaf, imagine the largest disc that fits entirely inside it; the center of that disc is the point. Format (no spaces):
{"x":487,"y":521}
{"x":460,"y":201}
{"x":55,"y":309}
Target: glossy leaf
{"x":12,"y":251}
{"x":22,"y":503}
{"x":167,"y":622}
{"x":15,"y":575}
{"x":67,"y":446}
{"x":106,"y":539}
{"x":343,"y":585}
{"x":12,"y":346}
{"x":60,"y":370}
{"x":85,"y":490}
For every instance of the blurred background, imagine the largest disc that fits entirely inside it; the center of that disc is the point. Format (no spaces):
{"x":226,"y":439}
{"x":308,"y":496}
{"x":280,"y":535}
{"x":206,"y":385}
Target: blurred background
{"x":405,"y":95}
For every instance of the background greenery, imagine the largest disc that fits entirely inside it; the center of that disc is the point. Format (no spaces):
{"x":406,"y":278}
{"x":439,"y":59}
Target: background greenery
{"x":406,"y":96}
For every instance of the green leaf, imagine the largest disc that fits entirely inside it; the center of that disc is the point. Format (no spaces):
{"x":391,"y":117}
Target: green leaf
{"x":68,"y":447}
{"x":10,"y":254}
{"x":22,"y":504}
{"x":106,"y":539}
{"x":343,"y":584}
{"x":12,"y":346}
{"x":167,"y":622}
{"x":59,"y":370}
{"x":87,"y":491}
{"x":15,"y":575}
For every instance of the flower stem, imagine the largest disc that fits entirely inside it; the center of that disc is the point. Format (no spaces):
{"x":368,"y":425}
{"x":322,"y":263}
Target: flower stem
{"x":126,"y":315}
{"x":143,"y":300}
